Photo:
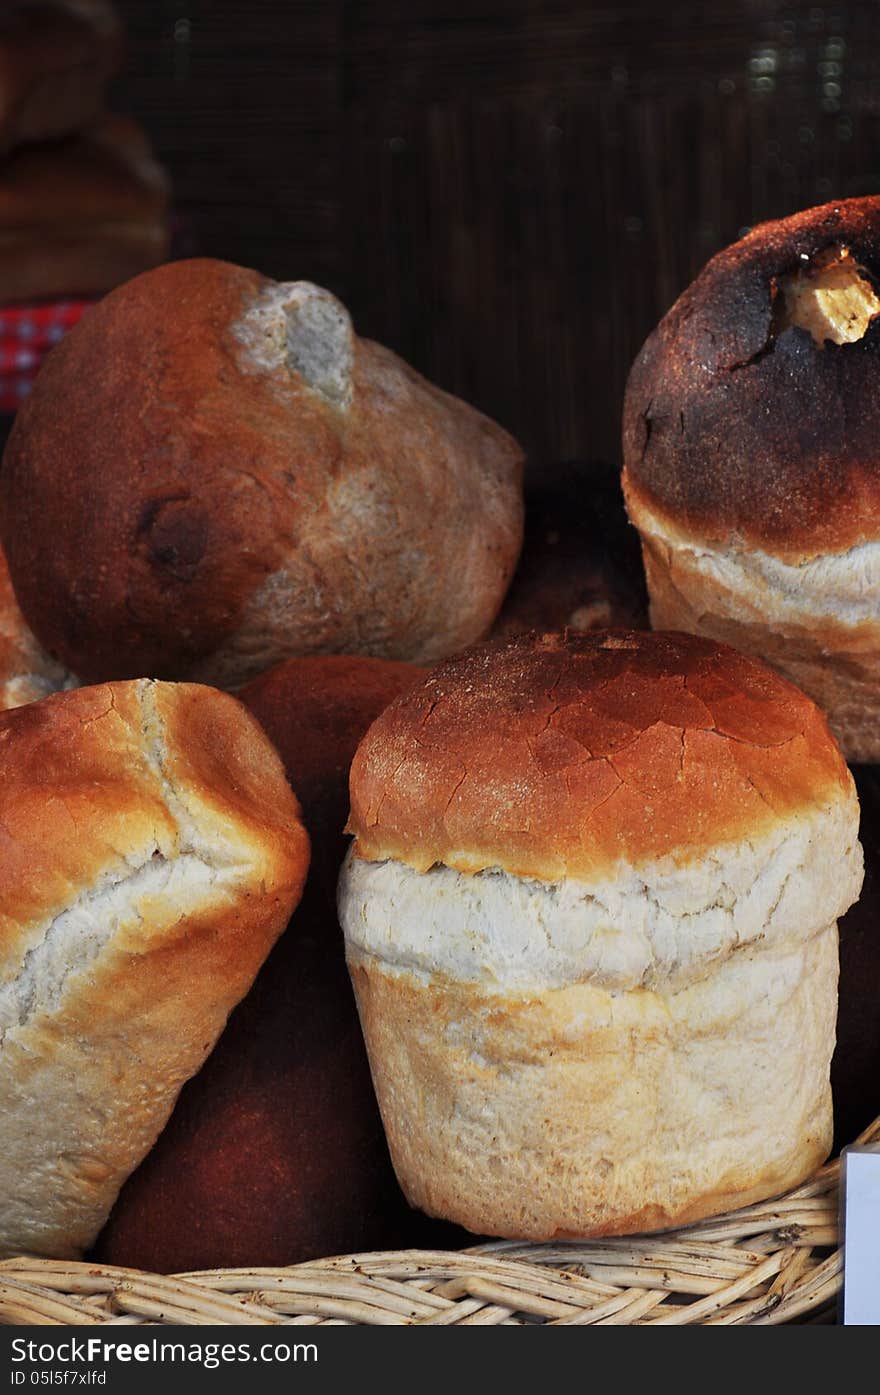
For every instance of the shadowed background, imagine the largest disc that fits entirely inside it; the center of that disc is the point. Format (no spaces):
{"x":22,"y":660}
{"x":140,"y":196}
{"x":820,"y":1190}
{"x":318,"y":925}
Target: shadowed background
{"x":507,"y":192}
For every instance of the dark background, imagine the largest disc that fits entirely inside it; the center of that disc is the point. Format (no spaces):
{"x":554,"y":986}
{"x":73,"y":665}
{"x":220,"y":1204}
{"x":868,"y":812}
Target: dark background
{"x":507,"y":192}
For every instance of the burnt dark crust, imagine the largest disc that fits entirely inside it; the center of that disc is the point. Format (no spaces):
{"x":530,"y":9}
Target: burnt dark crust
{"x":737,"y":432}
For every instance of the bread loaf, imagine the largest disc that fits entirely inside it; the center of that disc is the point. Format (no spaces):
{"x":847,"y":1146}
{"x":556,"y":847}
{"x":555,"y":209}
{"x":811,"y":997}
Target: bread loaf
{"x":56,"y":57}
{"x":590,"y":915}
{"x":151,"y":854}
{"x":752,"y":464}
{"x":275,"y":1152}
{"x":27,"y":672}
{"x":246,"y":480}
{"x":82,"y":215}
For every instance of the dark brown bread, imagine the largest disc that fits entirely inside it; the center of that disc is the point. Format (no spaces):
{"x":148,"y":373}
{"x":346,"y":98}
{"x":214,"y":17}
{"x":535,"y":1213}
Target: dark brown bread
{"x":56,"y":57}
{"x":733,"y":429}
{"x":81,"y":215}
{"x":107,"y":174}
{"x":27,"y":673}
{"x":246,"y":480}
{"x":581,"y":567}
{"x":275,"y":1152}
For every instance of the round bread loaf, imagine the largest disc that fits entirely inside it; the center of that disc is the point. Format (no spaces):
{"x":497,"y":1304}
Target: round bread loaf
{"x":275,"y":1151}
{"x":151,"y":854}
{"x":590,"y":915}
{"x":751,"y":449}
{"x":27,"y":672}
{"x":245,"y":480}
{"x":581,"y":566}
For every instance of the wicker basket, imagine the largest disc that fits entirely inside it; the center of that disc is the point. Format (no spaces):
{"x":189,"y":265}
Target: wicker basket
{"x":775,"y":1262}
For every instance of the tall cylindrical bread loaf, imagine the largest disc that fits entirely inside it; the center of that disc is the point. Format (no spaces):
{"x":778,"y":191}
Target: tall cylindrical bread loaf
{"x":590,"y":915}
{"x":751,"y":458}
{"x":151,"y":853}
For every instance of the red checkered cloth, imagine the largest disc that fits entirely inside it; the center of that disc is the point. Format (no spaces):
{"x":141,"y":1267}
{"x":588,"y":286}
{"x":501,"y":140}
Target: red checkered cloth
{"x":27,"y":333}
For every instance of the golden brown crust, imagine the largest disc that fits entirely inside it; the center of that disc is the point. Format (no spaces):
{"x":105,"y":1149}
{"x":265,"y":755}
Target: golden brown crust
{"x":731,"y":429}
{"x":564,"y":756}
{"x":152,"y":852}
{"x":232,"y":515}
{"x":81,"y":790}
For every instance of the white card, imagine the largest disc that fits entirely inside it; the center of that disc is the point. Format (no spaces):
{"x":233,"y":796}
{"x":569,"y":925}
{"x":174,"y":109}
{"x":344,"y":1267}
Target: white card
{"x":861,"y":1220}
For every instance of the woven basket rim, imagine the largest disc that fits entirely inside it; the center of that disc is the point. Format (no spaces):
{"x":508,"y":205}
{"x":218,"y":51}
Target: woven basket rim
{"x":773,"y":1262}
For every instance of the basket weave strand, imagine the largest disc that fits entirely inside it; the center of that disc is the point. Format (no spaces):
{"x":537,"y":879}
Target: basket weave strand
{"x":777,"y":1261}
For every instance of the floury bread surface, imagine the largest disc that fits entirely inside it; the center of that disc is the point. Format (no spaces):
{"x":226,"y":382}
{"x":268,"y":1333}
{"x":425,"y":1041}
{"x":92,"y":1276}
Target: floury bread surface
{"x":245,"y":481}
{"x":626,"y":1033}
{"x":751,"y":466}
{"x":581,"y":1112}
{"x":152,"y":854}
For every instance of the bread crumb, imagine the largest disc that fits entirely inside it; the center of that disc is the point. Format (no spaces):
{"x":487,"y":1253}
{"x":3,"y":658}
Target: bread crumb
{"x":830,"y":295}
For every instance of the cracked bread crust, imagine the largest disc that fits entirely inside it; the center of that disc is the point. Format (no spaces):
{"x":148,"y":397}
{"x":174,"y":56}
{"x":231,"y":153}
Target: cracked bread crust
{"x":736,"y":432}
{"x":572,"y":756}
{"x":267,"y":484}
{"x":151,"y":852}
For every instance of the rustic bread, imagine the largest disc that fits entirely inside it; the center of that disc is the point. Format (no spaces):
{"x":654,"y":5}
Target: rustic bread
{"x":82,"y":215}
{"x":27,"y":672}
{"x":752,"y":465}
{"x":590,"y":915}
{"x":275,"y":1151}
{"x":56,"y":57}
{"x":152,"y":854}
{"x":246,"y":480}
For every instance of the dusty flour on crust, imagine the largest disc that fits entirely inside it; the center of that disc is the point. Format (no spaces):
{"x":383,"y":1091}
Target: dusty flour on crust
{"x":664,"y":924}
{"x":72,"y":941}
{"x":300,"y":326}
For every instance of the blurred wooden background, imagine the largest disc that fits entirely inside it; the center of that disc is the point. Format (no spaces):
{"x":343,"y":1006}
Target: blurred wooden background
{"x":508,"y":192}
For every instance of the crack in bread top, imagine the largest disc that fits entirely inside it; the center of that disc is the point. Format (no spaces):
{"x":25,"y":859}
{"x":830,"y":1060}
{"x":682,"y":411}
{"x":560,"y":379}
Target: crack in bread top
{"x":573,"y":755}
{"x":744,"y":422}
